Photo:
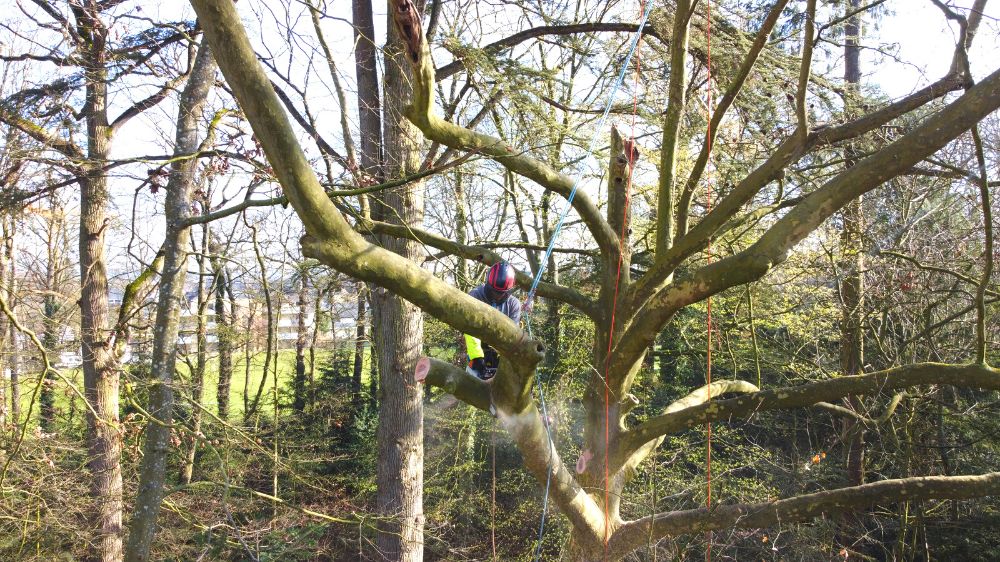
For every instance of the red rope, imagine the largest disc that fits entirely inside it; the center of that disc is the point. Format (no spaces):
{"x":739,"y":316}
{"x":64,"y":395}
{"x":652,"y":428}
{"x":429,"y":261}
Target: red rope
{"x":708,"y":312}
{"x":614,"y":303}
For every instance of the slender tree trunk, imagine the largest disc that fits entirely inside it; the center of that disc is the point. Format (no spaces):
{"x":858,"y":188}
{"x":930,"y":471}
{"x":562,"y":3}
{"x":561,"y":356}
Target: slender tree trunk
{"x":359,"y":344}
{"x":5,"y":259}
{"x":370,"y":133}
{"x":270,"y":349}
{"x":301,"y":335}
{"x":369,"y":106}
{"x":13,"y":359}
{"x":373,"y":359}
{"x":201,"y":360}
{"x":224,"y":331}
{"x":314,"y":338}
{"x":247,"y":357}
{"x":398,"y":330}
{"x":50,"y":308}
{"x":153,"y":468}
{"x":852,"y":265}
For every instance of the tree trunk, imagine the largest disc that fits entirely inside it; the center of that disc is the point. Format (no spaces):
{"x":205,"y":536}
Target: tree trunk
{"x":15,"y":353}
{"x":373,"y":359}
{"x":369,"y":108}
{"x":248,"y":357}
{"x":852,"y":262}
{"x":398,"y":328}
{"x":50,"y":308}
{"x":313,"y":340}
{"x":168,"y":308}
{"x":852,"y":265}
{"x":272,"y":322}
{"x":225,"y":335}
{"x":370,"y":156}
{"x":301,"y":335}
{"x":359,"y":345}
{"x":201,"y":361}
{"x":100,"y":372}
{"x":5,"y":259}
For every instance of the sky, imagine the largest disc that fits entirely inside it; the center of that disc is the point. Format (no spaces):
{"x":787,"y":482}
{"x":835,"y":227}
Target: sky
{"x":926,"y":41}
{"x":915,"y":30}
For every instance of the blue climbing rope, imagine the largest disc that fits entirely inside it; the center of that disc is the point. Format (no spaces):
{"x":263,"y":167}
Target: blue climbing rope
{"x":548,"y":253}
{"x":590,"y":152}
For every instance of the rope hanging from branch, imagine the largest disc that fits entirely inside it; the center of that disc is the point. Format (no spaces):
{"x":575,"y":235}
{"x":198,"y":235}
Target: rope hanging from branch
{"x":601,"y":123}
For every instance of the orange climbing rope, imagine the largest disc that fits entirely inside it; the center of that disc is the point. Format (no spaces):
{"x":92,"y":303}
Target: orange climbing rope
{"x":708,"y":312}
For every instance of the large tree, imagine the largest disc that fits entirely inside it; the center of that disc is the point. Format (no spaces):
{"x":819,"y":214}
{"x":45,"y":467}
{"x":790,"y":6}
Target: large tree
{"x":649,"y":297}
{"x":85,"y":39}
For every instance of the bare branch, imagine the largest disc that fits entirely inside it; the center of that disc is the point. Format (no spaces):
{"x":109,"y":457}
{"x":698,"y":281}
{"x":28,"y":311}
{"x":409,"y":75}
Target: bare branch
{"x":899,"y":378}
{"x":144,"y":104}
{"x":735,"y":87}
{"x":801,"y":508}
{"x":556,"y":30}
{"x":421,"y":113}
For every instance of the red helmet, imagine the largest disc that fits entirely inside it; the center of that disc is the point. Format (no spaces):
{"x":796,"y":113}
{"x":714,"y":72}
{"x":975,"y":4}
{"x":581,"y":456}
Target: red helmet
{"x":500,"y":281}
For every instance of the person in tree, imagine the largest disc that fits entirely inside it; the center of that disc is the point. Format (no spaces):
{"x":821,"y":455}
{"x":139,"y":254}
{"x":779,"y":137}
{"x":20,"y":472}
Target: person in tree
{"x":497,"y":292}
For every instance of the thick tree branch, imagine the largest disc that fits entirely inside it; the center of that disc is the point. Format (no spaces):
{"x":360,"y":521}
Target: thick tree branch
{"x":656,"y":278}
{"x":666,"y":212}
{"x":802,"y":91}
{"x":421,"y":113}
{"x":773,"y":246}
{"x":734,"y":89}
{"x":848,"y":412}
{"x":330,"y":238}
{"x":483,"y":255}
{"x":899,"y":378}
{"x":786,"y":154}
{"x":454,"y":381}
{"x":800,"y":508}
{"x":529,"y":433}
{"x":697,"y":397}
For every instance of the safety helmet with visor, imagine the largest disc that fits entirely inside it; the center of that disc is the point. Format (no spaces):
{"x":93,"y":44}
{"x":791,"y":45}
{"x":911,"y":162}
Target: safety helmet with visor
{"x":499,"y":282}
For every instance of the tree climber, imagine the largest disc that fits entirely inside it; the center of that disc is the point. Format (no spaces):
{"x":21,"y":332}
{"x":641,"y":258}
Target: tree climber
{"x":497,"y":292}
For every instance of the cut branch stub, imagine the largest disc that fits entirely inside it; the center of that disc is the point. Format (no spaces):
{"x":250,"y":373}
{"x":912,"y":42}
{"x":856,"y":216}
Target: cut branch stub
{"x":407,"y":20}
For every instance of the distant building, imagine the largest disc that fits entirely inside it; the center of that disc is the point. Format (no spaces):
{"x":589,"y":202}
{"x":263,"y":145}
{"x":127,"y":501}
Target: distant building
{"x":337,"y":321}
